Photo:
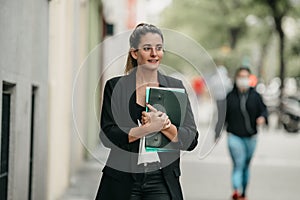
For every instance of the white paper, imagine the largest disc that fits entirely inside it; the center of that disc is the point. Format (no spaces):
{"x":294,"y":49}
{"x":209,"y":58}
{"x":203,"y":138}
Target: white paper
{"x":144,"y":156}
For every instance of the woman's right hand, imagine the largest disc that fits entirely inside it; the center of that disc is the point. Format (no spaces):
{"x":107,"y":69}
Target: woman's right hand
{"x":155,"y":120}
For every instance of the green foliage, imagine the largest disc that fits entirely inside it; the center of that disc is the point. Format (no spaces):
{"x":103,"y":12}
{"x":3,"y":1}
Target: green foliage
{"x":294,"y":47}
{"x":232,"y":29}
{"x":193,"y":17}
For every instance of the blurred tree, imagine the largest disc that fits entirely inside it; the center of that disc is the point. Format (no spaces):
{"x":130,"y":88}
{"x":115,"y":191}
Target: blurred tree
{"x":211,"y":23}
{"x":295,"y":47}
{"x":234,"y":21}
{"x":232,"y":29}
{"x":277,"y":9}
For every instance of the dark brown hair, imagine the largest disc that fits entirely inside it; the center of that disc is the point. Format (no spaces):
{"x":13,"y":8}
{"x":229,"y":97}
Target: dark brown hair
{"x":242,"y":68}
{"x":134,"y":40}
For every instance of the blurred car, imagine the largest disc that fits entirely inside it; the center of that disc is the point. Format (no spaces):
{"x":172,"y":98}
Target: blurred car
{"x":290,"y":116}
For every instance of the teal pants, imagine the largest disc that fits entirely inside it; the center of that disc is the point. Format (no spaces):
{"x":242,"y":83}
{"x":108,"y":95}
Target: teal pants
{"x":241,"y":151}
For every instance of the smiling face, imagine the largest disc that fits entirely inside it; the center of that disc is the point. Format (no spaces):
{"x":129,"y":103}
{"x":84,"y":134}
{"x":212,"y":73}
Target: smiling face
{"x":150,"y":51}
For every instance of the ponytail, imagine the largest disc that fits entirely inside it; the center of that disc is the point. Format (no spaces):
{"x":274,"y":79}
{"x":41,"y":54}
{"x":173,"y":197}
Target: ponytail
{"x":130,"y":64}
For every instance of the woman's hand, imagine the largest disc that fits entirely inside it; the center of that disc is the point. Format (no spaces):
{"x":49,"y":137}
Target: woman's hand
{"x":152,"y":121}
{"x":146,"y":120}
{"x":167,"y":125}
{"x":155,"y":120}
{"x":159,"y":121}
{"x":260,"y":120}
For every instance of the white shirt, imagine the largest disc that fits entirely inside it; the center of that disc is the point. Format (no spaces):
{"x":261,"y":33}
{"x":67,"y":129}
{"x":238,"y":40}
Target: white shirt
{"x":144,"y":156}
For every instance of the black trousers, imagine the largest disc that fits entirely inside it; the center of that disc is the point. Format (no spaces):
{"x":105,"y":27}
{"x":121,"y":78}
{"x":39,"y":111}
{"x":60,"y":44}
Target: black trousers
{"x":150,"y":186}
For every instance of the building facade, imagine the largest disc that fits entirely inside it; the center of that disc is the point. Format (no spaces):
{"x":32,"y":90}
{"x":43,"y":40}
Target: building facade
{"x":51,"y":74}
{"x":24,"y":99}
{"x":75,"y":28}
{"x":44,"y":44}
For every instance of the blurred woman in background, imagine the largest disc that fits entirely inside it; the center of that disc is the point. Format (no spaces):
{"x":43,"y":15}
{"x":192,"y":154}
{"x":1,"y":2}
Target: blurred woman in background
{"x":245,"y":110}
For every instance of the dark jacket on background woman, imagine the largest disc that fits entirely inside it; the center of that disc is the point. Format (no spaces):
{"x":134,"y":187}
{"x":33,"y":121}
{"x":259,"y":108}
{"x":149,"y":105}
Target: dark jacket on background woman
{"x":237,"y":117}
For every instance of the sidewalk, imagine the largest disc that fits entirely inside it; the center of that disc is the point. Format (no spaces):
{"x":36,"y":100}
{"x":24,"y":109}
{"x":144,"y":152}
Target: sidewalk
{"x":275,"y":172}
{"x":85,"y":184}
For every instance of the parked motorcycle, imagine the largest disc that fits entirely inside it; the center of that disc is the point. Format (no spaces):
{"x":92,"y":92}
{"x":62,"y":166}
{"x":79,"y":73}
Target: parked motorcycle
{"x":290,"y":115}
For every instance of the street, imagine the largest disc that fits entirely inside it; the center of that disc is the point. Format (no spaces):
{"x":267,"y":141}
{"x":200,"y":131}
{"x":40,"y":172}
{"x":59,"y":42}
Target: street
{"x":275,"y":173}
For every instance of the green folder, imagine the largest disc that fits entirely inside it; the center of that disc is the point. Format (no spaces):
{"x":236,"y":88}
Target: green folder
{"x":173,"y":102}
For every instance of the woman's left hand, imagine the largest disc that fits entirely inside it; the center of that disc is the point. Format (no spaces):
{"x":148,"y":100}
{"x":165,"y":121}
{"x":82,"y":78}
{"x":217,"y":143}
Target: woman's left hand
{"x":260,"y":120}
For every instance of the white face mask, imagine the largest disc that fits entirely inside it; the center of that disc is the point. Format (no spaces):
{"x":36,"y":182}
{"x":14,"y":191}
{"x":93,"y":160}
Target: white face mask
{"x":242,"y":83}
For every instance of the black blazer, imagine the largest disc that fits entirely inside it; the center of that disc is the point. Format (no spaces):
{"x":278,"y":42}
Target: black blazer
{"x":234,"y":118}
{"x":117,"y":179}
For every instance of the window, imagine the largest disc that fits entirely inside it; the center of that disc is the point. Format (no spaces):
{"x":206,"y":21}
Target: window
{"x":5,"y":133}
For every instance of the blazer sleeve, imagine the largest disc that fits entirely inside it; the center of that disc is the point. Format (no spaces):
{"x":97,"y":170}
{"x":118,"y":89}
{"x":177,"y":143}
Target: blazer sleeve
{"x":187,"y":132}
{"x":111,"y":135}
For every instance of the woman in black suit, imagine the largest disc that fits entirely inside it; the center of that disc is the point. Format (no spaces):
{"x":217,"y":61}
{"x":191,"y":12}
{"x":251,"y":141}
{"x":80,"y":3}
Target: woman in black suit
{"x":129,"y":174}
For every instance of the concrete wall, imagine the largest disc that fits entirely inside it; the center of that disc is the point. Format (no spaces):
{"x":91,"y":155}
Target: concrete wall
{"x":23,"y":62}
{"x":60,"y":77}
{"x":70,"y":95}
{"x":61,"y":61}
{"x":92,"y":68}
{"x":44,"y":44}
